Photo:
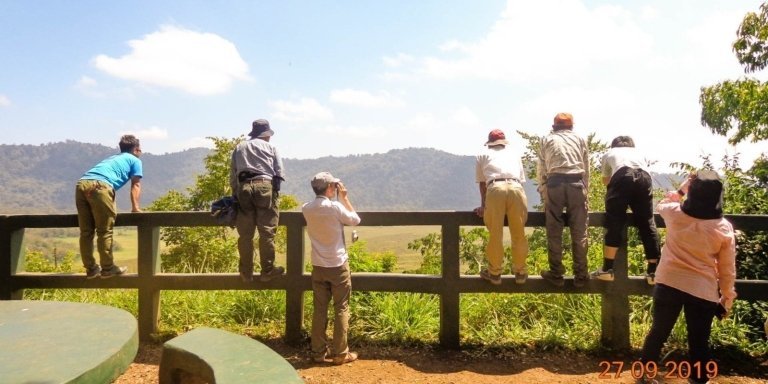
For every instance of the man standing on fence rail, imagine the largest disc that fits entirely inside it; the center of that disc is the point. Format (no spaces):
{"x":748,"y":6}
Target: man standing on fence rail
{"x":499,"y":174}
{"x":563,"y":176}
{"x":256,"y":171}
{"x":331,"y":278}
{"x":96,"y":209}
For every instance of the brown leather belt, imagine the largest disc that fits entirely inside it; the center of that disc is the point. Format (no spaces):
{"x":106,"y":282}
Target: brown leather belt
{"x":504,"y":179}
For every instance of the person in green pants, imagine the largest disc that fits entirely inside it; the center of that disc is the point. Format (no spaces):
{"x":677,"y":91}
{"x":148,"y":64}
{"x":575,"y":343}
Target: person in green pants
{"x":96,"y":209}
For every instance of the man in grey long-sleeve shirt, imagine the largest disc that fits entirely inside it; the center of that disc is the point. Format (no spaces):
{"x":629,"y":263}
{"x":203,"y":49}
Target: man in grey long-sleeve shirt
{"x":255,"y":174}
{"x":563,"y":176}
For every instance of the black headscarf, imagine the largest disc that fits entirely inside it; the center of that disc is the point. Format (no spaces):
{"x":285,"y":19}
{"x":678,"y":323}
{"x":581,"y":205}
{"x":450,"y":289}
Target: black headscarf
{"x":705,"y":196}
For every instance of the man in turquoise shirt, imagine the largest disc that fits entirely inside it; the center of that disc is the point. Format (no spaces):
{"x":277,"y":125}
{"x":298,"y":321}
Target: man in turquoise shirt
{"x":96,"y":209}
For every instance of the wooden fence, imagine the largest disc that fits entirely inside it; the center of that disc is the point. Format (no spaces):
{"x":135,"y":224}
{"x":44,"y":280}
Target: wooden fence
{"x":449,"y":285}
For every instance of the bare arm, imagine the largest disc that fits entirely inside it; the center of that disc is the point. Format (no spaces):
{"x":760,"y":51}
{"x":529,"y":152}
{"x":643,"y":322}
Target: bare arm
{"x":135,"y":193}
{"x":483,"y":189}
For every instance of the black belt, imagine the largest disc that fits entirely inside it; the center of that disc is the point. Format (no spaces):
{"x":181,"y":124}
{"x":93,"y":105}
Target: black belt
{"x":504,"y":179}
{"x":252,"y":176}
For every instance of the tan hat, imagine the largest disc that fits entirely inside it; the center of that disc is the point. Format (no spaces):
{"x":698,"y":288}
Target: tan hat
{"x":563,"y":120}
{"x":496,"y":137}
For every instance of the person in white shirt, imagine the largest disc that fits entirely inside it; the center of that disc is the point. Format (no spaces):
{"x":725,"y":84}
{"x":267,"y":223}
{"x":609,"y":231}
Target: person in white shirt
{"x":331,"y":278}
{"x":499,"y":174}
{"x":629,"y":185}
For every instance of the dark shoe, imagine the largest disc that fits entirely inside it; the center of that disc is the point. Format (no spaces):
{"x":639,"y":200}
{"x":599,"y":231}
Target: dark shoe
{"x":246,"y":277}
{"x":580,"y":281}
{"x":271,"y":274}
{"x":603,"y":275}
{"x":93,"y":272}
{"x":350,"y":357}
{"x":493,"y":279}
{"x":552,"y":278}
{"x":113,"y":271}
{"x":650,"y":278}
{"x":521,"y":277}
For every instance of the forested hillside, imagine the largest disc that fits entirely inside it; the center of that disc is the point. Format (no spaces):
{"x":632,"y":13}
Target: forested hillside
{"x":41,"y":178}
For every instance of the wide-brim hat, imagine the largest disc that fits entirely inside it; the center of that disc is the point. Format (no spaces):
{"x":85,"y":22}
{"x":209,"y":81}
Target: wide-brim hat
{"x":260,"y":128}
{"x":496,"y":137}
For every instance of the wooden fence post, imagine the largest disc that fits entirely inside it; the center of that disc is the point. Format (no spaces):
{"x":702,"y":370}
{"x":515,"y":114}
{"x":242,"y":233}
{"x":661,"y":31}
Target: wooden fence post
{"x":294,"y":293}
{"x":449,"y":295}
{"x":615,"y":304}
{"x":149,"y":294}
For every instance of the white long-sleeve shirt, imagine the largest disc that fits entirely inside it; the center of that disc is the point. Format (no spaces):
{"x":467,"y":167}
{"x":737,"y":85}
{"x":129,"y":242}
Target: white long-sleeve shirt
{"x":325,"y":225}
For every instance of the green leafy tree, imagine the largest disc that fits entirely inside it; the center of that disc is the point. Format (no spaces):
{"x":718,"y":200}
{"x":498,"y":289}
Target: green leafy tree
{"x":207,"y":249}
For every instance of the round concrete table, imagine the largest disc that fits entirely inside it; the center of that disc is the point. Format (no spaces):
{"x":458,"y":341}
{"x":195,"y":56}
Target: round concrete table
{"x":62,"y":342}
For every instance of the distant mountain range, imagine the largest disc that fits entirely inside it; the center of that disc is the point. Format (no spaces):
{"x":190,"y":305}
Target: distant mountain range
{"x":41,"y":178}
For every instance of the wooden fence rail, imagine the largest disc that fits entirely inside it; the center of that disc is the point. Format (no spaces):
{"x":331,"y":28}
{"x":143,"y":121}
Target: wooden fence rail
{"x":449,"y":285}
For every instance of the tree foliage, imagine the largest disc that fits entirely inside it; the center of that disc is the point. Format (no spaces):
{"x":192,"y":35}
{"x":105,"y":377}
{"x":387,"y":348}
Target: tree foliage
{"x":207,"y":249}
{"x":741,"y":105}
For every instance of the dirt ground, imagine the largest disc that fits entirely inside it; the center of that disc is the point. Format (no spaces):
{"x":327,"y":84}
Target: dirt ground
{"x":434,"y":366}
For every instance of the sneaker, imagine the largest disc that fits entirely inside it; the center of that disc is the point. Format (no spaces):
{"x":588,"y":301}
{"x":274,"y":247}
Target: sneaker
{"x":521,"y":277}
{"x":93,"y":272}
{"x":552,"y":278}
{"x":271,"y":274}
{"x":580,"y":281}
{"x":603,"y":275}
{"x":493,"y":279}
{"x":113,"y":271}
{"x":246,"y":277}
{"x":650,"y":278}
{"x":350,"y":357}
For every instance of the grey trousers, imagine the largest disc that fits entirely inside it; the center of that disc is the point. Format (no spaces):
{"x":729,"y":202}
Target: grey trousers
{"x":570,"y":194}
{"x":258,"y":210}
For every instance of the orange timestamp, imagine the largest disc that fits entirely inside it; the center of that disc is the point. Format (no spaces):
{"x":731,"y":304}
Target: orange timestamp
{"x":674,"y":369}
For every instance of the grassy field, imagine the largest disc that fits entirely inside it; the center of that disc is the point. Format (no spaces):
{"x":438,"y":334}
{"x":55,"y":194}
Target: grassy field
{"x":377,"y":240}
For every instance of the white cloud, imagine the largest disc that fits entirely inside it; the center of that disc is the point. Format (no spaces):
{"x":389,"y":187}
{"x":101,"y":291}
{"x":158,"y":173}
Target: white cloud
{"x":365,"y":99}
{"x":5,"y":101}
{"x":174,"y":57}
{"x":354,"y":131}
{"x":303,"y":111}
{"x":399,"y":60}
{"x":151,"y":133}
{"x":465,"y":117}
{"x":537,"y":40}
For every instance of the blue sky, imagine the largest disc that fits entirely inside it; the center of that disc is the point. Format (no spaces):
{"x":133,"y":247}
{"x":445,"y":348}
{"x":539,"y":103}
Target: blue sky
{"x":356,"y":77}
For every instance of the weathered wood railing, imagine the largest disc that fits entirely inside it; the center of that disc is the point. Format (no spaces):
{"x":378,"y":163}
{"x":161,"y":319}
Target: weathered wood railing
{"x":149,"y":280}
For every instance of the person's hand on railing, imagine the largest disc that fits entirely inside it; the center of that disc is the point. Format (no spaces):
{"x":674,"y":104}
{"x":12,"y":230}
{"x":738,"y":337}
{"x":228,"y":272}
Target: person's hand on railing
{"x":479,"y":211}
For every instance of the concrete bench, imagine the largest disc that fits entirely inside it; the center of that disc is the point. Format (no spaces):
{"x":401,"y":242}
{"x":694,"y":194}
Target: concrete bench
{"x":220,"y":357}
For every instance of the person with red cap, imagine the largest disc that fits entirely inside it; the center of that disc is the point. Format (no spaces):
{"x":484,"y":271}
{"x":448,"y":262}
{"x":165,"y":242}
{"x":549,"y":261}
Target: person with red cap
{"x":499,"y":174}
{"x":563,"y":178}
{"x":256,"y":171}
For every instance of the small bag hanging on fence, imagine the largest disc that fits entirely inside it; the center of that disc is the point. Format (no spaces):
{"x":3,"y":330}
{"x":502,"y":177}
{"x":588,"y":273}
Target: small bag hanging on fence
{"x":225,"y":210}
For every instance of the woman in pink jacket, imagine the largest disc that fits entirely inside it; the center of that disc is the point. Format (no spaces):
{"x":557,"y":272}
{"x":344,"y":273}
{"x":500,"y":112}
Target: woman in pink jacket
{"x":697,"y":270}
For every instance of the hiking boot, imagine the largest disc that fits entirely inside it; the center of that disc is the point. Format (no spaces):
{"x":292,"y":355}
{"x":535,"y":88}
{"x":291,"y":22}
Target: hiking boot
{"x":114,"y":270}
{"x":603,"y":275}
{"x":552,"y":278}
{"x":580,"y":281}
{"x":521,"y":277}
{"x":92,"y":272}
{"x":350,"y":357}
{"x":650,"y":278}
{"x":271,"y":274}
{"x":493,"y":279}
